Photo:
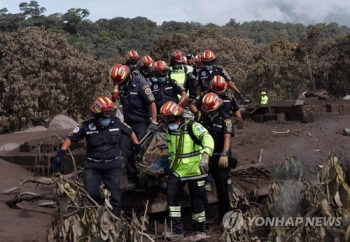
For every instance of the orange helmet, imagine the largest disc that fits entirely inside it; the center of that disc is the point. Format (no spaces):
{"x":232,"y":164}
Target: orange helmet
{"x":218,"y":85}
{"x":211,"y":102}
{"x":177,"y":56}
{"x":119,"y":73}
{"x":132,"y":57}
{"x":208,"y":56}
{"x":145,"y":61}
{"x":170,"y":111}
{"x":103,"y":105}
{"x":160,"y":68}
{"x":198,"y":59}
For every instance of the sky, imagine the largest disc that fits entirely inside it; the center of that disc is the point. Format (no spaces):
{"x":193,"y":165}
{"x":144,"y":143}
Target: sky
{"x":204,"y":11}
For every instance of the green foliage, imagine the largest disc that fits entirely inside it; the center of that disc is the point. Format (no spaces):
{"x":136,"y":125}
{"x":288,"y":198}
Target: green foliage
{"x":31,"y":9}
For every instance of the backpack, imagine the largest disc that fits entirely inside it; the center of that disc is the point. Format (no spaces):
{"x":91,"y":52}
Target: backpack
{"x":190,"y":132}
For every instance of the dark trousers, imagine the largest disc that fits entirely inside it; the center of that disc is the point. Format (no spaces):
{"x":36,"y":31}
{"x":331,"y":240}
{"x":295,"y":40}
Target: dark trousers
{"x":197,"y":192}
{"x":128,"y":147}
{"x":109,"y":173}
{"x":220,"y":176}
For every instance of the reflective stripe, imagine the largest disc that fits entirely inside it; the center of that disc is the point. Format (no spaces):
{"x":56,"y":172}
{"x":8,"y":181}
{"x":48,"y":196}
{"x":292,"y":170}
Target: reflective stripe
{"x":168,"y":88}
{"x":189,"y":154}
{"x":133,"y":93}
{"x":114,"y":129}
{"x":175,"y":214}
{"x":92,"y":132}
{"x":175,"y":211}
{"x":199,"y":217}
{"x":190,"y":178}
{"x":216,"y":125}
{"x":200,"y":183}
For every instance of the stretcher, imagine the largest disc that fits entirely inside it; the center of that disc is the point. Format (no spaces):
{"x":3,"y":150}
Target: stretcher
{"x":153,"y":156}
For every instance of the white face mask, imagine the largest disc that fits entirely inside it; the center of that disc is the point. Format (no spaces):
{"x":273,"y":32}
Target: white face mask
{"x":173,"y":126}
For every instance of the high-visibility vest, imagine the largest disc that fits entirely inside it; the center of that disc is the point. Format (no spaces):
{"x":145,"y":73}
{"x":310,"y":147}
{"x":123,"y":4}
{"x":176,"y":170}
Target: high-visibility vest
{"x":264,"y":99}
{"x":188,"y":162}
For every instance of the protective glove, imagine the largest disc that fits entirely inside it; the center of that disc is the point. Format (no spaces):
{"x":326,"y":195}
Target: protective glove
{"x":59,"y":161}
{"x":152,"y":127}
{"x":204,"y":164}
{"x":197,"y":116}
{"x":240,"y":123}
{"x":240,"y":98}
{"x":223,"y":161}
{"x":137,"y":149}
{"x":114,"y":96}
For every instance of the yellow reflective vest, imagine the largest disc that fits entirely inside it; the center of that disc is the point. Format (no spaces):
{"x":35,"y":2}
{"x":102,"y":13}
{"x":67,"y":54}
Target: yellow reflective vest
{"x":187,"y":166}
{"x":264,"y":99}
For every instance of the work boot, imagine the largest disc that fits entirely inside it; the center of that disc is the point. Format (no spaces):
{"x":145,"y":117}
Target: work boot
{"x":130,"y":187}
{"x":208,"y":187}
{"x":198,"y":237}
{"x":172,"y":236}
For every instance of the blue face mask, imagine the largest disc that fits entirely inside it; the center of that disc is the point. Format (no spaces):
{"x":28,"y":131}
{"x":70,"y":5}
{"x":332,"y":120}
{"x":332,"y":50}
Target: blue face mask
{"x":105,"y":122}
{"x":154,"y":79}
{"x":178,"y":66}
{"x":208,"y":67}
{"x":173,"y":126}
{"x":161,"y":79}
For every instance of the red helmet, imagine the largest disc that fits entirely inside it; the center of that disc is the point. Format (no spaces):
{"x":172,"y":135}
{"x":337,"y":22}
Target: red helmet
{"x":218,"y":85}
{"x":198,"y":59}
{"x":103,"y":105}
{"x":211,"y":102}
{"x":208,"y":56}
{"x":145,"y":61}
{"x":170,"y":111}
{"x":119,"y":73}
{"x":132,"y":57}
{"x":160,"y":68}
{"x":177,"y":56}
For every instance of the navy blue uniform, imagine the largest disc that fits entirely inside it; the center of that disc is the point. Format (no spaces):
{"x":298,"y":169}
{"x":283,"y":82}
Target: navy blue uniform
{"x":135,"y":96}
{"x":191,"y":84}
{"x":102,"y":163}
{"x":217,"y":128}
{"x":167,"y":91}
{"x":227,"y":105}
{"x":205,"y":76}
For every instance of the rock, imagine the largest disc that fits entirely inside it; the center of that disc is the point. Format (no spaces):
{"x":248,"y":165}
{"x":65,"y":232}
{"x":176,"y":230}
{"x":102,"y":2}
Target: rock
{"x":61,"y":121}
{"x":9,"y":146}
{"x":32,"y":129}
{"x":347,"y":97}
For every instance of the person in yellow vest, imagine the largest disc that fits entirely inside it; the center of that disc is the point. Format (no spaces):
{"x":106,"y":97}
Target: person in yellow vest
{"x":177,"y":67}
{"x":264,"y":98}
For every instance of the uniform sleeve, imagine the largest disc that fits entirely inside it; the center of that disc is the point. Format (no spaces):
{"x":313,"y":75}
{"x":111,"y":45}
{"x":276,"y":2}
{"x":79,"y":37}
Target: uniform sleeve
{"x":178,"y":87}
{"x":206,"y":139}
{"x":146,"y":93}
{"x":234,"y":105}
{"x":228,"y":127}
{"x":226,"y":76}
{"x":197,"y":102}
{"x":126,"y":129}
{"x":187,"y":81}
{"x":77,"y":134}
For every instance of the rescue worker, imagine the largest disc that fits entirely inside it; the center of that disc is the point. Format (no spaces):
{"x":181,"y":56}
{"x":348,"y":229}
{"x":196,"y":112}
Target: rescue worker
{"x":192,"y":80}
{"x":190,"y":146}
{"x":132,"y":58}
{"x":166,"y":89}
{"x":144,"y":66}
{"x":209,"y":71}
{"x":219,"y":86}
{"x":190,"y":59}
{"x":264,"y":98}
{"x":220,"y":127}
{"x":103,"y":134}
{"x":177,"y":69}
{"x":138,"y":103}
